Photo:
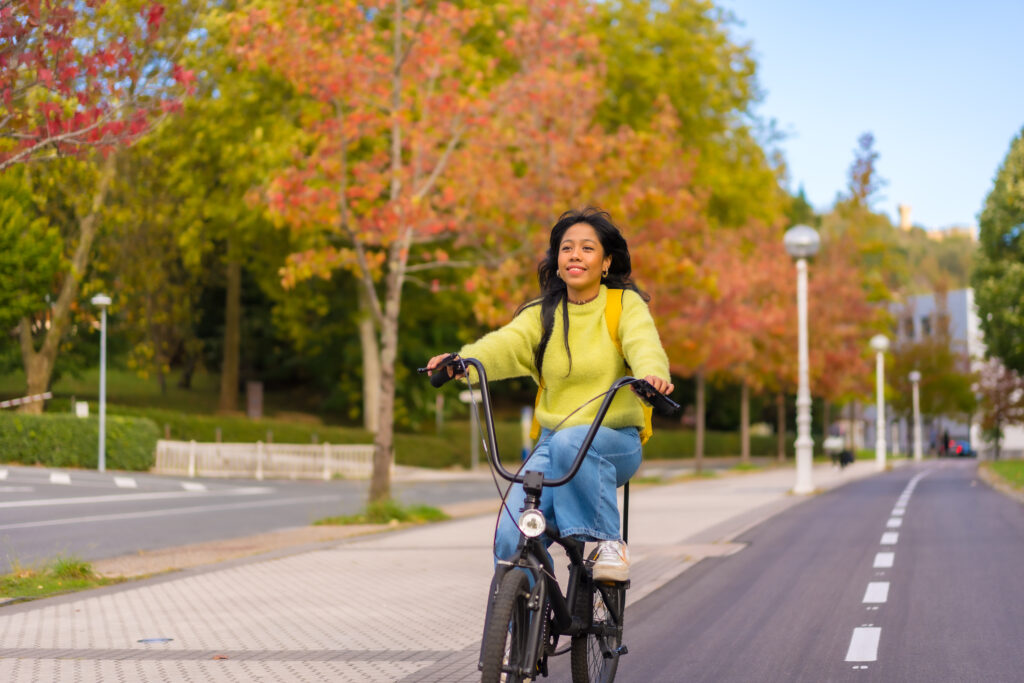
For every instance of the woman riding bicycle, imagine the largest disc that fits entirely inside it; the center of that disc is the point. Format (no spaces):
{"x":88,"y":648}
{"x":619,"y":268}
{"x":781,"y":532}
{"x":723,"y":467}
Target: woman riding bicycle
{"x":563,"y":341}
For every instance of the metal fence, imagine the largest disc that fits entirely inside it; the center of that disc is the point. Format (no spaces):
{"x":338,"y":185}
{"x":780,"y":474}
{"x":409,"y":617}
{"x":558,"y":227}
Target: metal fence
{"x":264,"y":461}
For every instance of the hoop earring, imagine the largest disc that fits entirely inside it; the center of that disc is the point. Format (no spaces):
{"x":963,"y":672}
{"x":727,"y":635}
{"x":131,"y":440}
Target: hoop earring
{"x":558,"y":274}
{"x":604,"y":273}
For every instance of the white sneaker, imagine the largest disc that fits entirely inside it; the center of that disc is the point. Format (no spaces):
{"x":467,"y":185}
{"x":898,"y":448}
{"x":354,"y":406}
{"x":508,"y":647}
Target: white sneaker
{"x":612,"y":561}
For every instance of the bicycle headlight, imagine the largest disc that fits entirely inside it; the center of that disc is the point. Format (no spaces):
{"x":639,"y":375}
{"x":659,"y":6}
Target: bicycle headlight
{"x":532,"y":523}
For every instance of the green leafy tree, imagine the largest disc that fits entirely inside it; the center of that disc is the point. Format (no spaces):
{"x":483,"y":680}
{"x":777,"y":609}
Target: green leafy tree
{"x":30,"y":251}
{"x":998,"y":278}
{"x":682,"y":49}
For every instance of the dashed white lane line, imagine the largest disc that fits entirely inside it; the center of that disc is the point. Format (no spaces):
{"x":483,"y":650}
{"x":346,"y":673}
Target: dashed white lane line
{"x":899,"y":511}
{"x":128,"y":497}
{"x":193,"y":486}
{"x":125,"y":483}
{"x":3,"y":475}
{"x":890,"y":538}
{"x":60,"y":478}
{"x":864,"y":644}
{"x":173,"y":511}
{"x":884,"y":560}
{"x":894,"y":522}
{"x":877,"y":592}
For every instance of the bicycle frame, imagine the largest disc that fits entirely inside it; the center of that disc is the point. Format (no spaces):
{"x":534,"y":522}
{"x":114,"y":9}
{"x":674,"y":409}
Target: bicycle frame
{"x":531,"y":555}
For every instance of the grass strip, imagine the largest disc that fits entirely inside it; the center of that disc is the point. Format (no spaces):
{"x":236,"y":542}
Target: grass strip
{"x":1011,"y":471}
{"x":60,"y":575}
{"x":388,"y":512}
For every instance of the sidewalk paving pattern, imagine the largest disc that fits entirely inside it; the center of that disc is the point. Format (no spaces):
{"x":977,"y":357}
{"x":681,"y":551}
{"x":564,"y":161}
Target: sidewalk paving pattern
{"x":401,"y":606}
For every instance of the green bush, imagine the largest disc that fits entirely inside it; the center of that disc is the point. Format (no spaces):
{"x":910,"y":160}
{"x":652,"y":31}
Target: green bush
{"x":69,"y":441}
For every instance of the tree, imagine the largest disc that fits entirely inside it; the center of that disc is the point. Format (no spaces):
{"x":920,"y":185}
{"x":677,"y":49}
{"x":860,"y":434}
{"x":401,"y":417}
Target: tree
{"x":998,"y":278}
{"x":75,"y":95}
{"x":71,"y":78}
{"x":683,"y":50}
{"x":1001,"y":391}
{"x":399,"y":92}
{"x":30,"y":251}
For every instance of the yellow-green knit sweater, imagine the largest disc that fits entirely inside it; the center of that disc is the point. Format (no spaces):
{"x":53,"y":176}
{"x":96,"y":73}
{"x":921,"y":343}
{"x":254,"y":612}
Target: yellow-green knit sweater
{"x":596,"y":363}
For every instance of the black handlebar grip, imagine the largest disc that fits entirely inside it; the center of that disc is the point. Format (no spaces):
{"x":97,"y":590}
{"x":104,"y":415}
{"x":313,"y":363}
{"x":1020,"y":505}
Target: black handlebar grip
{"x":661,"y":403}
{"x":440,"y":377}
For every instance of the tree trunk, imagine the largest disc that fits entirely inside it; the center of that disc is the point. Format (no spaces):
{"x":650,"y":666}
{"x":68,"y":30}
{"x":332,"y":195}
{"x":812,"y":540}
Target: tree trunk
{"x":698,"y":446}
{"x":232,"y":337}
{"x":745,"y":422}
{"x":371,"y":366}
{"x":780,"y":426}
{"x":39,"y":363}
{"x":384,"y":447}
{"x":826,"y":417}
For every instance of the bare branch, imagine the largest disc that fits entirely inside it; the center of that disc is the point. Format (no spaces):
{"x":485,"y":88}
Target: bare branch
{"x":459,"y":128}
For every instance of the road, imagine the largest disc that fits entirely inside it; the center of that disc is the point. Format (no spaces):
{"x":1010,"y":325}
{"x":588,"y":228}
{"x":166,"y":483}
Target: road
{"x":47,"y":512}
{"x":914,"y":575}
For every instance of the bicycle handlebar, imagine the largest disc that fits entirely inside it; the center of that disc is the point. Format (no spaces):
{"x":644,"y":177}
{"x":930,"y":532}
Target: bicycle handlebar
{"x":662,"y":405}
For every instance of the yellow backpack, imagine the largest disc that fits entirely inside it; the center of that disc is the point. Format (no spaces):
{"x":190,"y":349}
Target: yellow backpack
{"x":612,"y":313}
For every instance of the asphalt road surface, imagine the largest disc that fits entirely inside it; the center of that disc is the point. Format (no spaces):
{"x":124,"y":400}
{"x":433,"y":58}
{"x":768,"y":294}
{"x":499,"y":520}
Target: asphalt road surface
{"x":913,"y":575}
{"x":45,"y":513}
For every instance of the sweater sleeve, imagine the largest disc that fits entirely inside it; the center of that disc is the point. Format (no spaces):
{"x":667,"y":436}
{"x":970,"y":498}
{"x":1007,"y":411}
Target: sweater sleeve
{"x":508,"y":351}
{"x":641,"y":344}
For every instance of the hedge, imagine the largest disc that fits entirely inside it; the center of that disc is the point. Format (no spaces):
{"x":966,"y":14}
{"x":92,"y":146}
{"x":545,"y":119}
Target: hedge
{"x":70,"y":441}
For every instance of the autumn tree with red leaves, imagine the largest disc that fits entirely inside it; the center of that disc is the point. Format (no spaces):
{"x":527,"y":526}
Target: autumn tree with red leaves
{"x":69,"y":83}
{"x":78,"y":78}
{"x":399,"y":92}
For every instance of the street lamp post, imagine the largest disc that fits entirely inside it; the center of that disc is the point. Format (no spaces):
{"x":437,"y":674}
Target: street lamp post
{"x":915,"y":379}
{"x":102,"y":300}
{"x":880,"y":344}
{"x":802,"y":242}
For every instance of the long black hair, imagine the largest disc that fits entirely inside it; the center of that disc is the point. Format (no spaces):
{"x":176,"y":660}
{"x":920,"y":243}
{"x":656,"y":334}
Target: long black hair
{"x":552,"y":288}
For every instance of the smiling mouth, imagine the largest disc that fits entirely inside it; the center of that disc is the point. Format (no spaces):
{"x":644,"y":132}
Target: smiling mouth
{"x":575,"y":269}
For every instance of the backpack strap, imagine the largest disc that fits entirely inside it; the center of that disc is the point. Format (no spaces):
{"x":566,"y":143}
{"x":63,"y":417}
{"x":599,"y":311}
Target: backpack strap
{"x":612,"y":315}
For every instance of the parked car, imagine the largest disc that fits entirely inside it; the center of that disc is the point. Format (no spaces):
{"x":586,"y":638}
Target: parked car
{"x":961,"y":448}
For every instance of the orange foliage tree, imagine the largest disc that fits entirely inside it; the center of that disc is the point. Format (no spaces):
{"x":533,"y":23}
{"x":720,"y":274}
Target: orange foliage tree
{"x":401,"y":95}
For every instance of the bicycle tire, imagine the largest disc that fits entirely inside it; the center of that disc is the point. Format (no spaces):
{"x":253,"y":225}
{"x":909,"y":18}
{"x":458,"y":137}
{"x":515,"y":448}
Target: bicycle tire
{"x":589,"y":665}
{"x":507,"y":631}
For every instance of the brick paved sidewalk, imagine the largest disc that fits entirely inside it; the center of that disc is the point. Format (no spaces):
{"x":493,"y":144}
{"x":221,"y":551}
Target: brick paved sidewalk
{"x":401,"y":606}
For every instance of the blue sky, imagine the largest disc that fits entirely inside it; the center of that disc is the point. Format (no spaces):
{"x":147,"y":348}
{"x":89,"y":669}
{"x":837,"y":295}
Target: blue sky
{"x":940,"y":84}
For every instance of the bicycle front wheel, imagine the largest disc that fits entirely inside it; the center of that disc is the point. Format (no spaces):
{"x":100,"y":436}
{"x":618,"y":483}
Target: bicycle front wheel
{"x":508,"y":631}
{"x":595,"y":653}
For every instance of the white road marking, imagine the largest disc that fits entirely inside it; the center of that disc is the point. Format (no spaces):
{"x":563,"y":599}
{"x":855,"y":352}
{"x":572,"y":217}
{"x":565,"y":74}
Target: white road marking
{"x":125,"y":483}
{"x":169,"y":511}
{"x":127,"y":497}
{"x":877,"y":592}
{"x":884,"y":560}
{"x":890,"y":538}
{"x":898,"y":511}
{"x":864,"y":644}
{"x":3,"y":475}
{"x":193,"y":486}
{"x":60,"y":478}
{"x":894,"y":522}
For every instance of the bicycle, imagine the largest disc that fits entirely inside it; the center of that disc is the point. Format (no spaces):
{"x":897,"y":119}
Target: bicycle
{"x":527,"y":613}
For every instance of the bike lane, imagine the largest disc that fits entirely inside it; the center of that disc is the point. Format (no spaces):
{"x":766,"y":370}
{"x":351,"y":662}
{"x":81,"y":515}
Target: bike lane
{"x":406,"y":605}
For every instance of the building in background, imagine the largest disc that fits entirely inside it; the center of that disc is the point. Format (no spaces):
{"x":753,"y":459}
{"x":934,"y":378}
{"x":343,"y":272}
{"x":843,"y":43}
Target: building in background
{"x":917,"y":318}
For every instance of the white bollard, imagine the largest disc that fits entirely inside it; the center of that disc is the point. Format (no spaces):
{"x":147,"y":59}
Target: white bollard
{"x":259,"y":460}
{"x":192,"y":459}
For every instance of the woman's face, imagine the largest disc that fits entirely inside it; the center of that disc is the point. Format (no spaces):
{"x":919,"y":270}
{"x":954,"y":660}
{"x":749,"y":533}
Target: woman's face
{"x":581,"y":260}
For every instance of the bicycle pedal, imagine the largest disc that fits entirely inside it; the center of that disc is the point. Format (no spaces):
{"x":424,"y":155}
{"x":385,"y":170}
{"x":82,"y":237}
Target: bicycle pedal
{"x":622,"y":650}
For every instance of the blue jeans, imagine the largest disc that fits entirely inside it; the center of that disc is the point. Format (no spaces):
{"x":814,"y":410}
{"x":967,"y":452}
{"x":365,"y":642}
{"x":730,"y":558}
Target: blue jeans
{"x":585,"y":508}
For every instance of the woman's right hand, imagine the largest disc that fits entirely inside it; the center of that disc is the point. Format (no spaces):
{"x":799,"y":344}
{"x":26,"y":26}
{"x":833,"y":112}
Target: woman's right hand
{"x":436,"y":360}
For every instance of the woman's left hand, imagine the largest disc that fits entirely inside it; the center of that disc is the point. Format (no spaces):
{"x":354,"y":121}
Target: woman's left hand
{"x":662,"y":385}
